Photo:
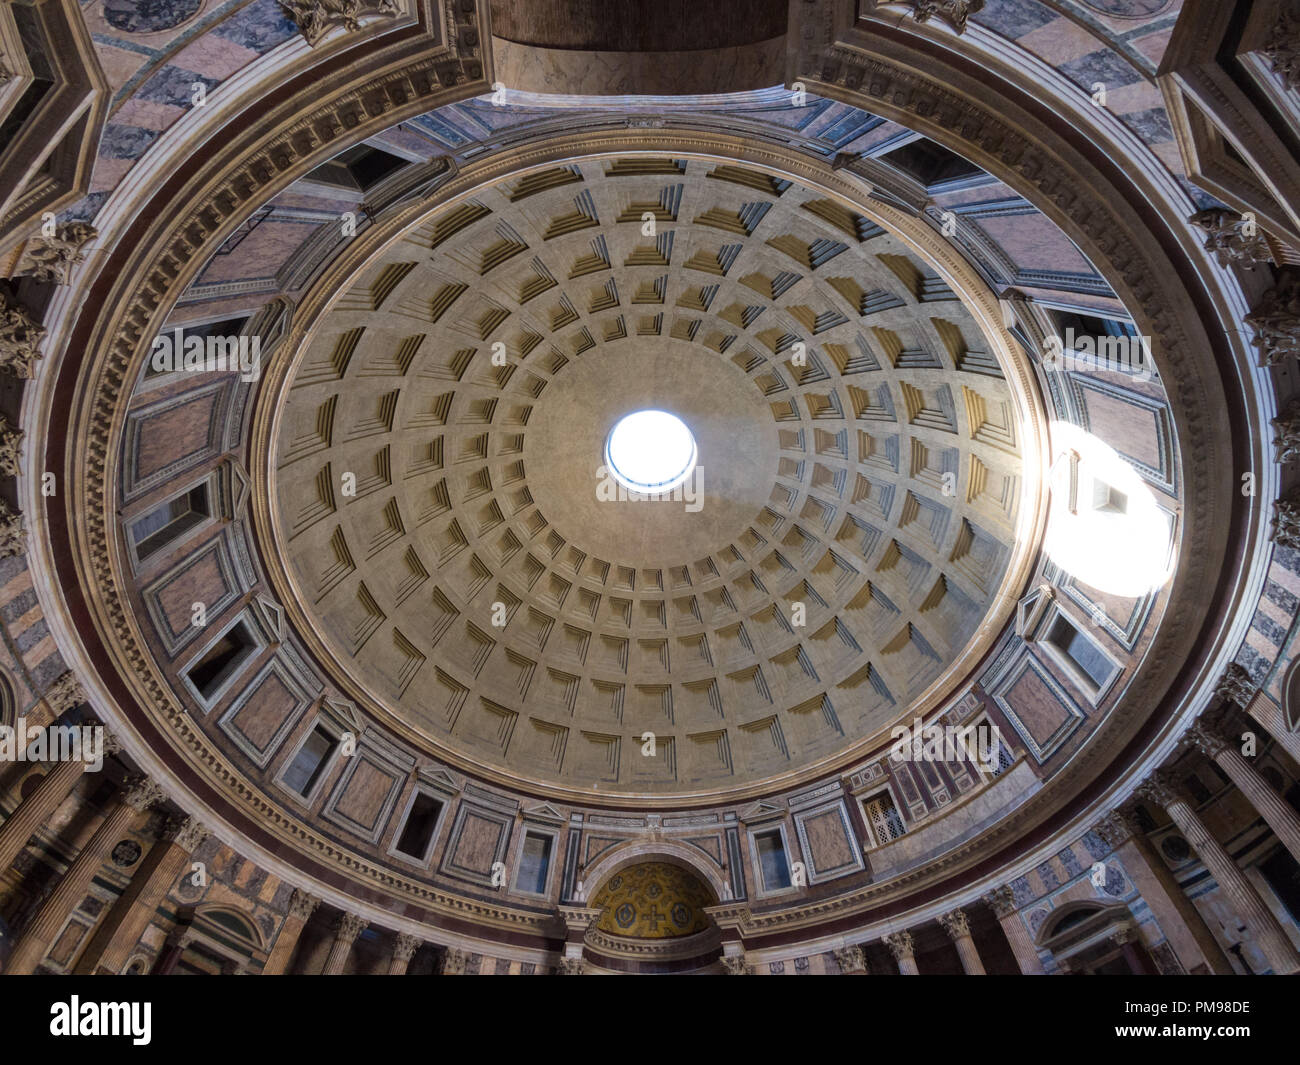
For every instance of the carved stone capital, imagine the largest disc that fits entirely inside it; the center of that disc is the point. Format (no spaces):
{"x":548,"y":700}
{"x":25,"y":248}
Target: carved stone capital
{"x":952,"y":12}
{"x":20,"y":338}
{"x":1235,"y":686}
{"x":302,"y":904}
{"x":1286,"y":433}
{"x":10,"y":448}
{"x":735,"y":965}
{"x":1158,"y":788}
{"x":1283,"y":48}
{"x":13,"y":534}
{"x":186,"y":832}
{"x":571,"y":967}
{"x":348,"y":926}
{"x":142,"y":793}
{"x":315,"y":18}
{"x":52,"y":258}
{"x":1276,"y":320}
{"x":1206,"y":739}
{"x":405,"y":946}
{"x":1002,"y":901}
{"x":850,"y":959}
{"x":65,"y":693}
{"x":1114,"y":829}
{"x":1124,"y":934}
{"x":112,"y":744}
{"x":900,"y":945}
{"x":955,"y":923}
{"x":455,"y":963}
{"x":1232,"y":239}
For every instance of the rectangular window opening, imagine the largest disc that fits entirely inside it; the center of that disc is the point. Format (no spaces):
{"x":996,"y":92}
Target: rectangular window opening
{"x":221,"y":660}
{"x":310,"y":761}
{"x":534,"y":863}
{"x":417,"y":833}
{"x":772,"y":861}
{"x":883,"y":817}
{"x":1082,"y":653}
{"x":169,"y":521}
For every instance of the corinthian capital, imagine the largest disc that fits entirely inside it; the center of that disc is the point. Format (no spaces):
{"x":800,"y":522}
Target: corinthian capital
{"x":302,"y":904}
{"x":52,"y":258}
{"x":1235,"y":686}
{"x":1232,"y":239}
{"x":20,"y":338}
{"x":10,"y":448}
{"x":1002,"y":901}
{"x":1276,"y":320}
{"x":1205,"y":738}
{"x":349,"y":926}
{"x":1158,"y":788}
{"x":405,"y":947}
{"x":186,"y":832}
{"x":143,"y":792}
{"x":315,"y":18}
{"x":955,"y":923}
{"x":1113,"y":829}
{"x":850,"y":959}
{"x":13,"y":534}
{"x":900,"y":945}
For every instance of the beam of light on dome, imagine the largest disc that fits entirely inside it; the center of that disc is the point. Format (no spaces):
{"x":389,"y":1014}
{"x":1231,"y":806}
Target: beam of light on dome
{"x":650,"y":451}
{"x":1105,"y":527}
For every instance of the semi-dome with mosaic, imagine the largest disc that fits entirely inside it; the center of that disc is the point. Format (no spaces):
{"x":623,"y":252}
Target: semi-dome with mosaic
{"x":439,"y":459}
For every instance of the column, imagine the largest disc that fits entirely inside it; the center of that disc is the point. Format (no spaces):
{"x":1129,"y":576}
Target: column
{"x":71,"y":889}
{"x":403,"y":951}
{"x":37,"y":808}
{"x":900,"y":946}
{"x":851,"y":960}
{"x":1002,"y":901}
{"x":301,"y":906}
{"x":1239,"y":891}
{"x":1191,"y":938}
{"x":346,"y":930}
{"x":121,"y":930}
{"x":178,"y":939}
{"x":958,"y":928}
{"x":1276,"y":811}
{"x":1265,"y":712}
